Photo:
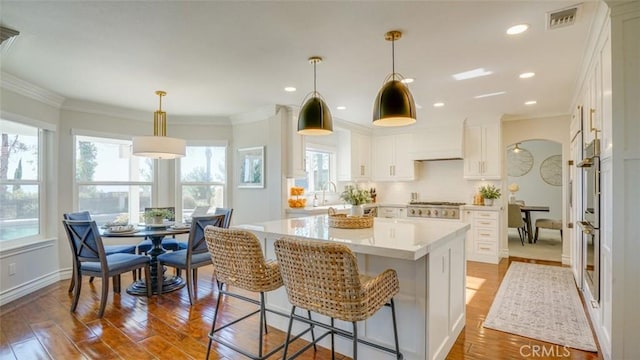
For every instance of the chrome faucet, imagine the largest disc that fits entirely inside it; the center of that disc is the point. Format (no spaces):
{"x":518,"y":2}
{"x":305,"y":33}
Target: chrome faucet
{"x":324,"y":188}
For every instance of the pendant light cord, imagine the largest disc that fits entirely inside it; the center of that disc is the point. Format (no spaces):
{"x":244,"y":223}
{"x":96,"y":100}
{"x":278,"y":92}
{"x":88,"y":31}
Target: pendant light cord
{"x":314,"y":78}
{"x":393,"y":58}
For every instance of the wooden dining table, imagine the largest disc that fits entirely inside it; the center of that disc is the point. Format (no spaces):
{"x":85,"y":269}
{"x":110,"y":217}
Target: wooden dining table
{"x":155,"y":234}
{"x":527,"y":209}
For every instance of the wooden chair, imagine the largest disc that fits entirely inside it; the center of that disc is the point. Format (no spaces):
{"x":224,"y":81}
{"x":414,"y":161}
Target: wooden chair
{"x":196,"y":255}
{"x":238,"y":261}
{"x":108,"y":249}
{"x":91,"y":259}
{"x":515,"y":221}
{"x":323,"y":277}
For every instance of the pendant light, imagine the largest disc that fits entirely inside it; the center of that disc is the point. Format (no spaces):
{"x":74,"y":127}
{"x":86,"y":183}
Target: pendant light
{"x":394,"y":104}
{"x":315,"y":117}
{"x":159,"y":146}
{"x":516,"y":149}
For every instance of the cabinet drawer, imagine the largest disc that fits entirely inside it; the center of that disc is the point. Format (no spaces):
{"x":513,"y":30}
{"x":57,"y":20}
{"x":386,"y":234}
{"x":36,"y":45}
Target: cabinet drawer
{"x":485,"y":247}
{"x":485,"y":215}
{"x":388,"y":212}
{"x":486,"y":223}
{"x":486,"y":235}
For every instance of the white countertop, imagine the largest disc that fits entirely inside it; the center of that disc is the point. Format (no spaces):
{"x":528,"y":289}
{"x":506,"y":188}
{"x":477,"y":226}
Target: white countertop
{"x":408,"y":239}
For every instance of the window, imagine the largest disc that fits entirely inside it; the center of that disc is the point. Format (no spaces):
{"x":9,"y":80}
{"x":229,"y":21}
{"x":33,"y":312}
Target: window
{"x":320,"y":167}
{"x":112,"y":184}
{"x":21,"y":194}
{"x":203,"y":178}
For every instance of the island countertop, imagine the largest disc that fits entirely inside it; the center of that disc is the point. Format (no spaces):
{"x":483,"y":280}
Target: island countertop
{"x":408,"y":239}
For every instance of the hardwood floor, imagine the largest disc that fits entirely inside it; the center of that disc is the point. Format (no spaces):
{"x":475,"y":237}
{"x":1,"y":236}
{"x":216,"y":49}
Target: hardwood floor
{"x":40,"y":326}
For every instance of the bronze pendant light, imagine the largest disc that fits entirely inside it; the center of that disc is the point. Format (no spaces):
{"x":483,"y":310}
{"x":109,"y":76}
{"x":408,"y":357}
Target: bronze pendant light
{"x":315,"y":117}
{"x":394,"y":104}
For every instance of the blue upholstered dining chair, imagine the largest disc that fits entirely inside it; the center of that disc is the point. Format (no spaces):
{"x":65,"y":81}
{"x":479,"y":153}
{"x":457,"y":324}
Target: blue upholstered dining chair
{"x":108,"y":249}
{"x":168,"y":243}
{"x":227,"y":212}
{"x":90,"y":259}
{"x":196,"y":255}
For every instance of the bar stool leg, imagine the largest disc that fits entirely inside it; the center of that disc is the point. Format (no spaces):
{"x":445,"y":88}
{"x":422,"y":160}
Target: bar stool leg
{"x":262,"y":321}
{"x":313,"y":336}
{"x":286,"y":343}
{"x":395,"y":329}
{"x":333,"y":336}
{"x":355,"y":340}
{"x":215,"y":317}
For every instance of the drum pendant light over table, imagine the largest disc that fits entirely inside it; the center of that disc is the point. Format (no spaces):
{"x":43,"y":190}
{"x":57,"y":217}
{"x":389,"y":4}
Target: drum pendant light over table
{"x":394,"y":104}
{"x":159,"y":146}
{"x":315,"y":117}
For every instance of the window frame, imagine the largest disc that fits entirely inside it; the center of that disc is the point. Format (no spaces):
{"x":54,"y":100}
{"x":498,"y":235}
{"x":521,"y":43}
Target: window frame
{"x":44,"y":132}
{"x":180,"y":184}
{"x":333,"y":166}
{"x":111,"y":136}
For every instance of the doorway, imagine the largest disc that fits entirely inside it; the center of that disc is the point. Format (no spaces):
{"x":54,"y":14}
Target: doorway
{"x":534,"y":180}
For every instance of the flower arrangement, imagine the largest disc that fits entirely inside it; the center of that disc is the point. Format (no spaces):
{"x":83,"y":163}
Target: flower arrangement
{"x":355,"y":196}
{"x":489,"y":192}
{"x":157,"y":213}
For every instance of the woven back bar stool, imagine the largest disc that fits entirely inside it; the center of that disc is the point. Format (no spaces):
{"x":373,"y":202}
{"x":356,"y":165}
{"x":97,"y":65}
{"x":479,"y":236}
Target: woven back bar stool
{"x":238,"y":261}
{"x":323,"y":277}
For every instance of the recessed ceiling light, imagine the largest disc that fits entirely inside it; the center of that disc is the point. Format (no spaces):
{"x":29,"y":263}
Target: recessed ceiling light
{"x":407,"y":80}
{"x":517,"y":29}
{"x":289,"y":89}
{"x":527,"y":75}
{"x":341,"y":107}
{"x":438,"y":104}
{"x":531,"y":102}
{"x":490,"y":94}
{"x":471,"y":74}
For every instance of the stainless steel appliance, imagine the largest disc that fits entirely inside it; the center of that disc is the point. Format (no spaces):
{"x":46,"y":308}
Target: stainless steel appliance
{"x":590,"y":223}
{"x":434,"y":210}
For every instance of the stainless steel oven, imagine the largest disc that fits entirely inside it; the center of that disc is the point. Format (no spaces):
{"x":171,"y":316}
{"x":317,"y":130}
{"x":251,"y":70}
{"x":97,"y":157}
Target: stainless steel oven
{"x":590,"y":223}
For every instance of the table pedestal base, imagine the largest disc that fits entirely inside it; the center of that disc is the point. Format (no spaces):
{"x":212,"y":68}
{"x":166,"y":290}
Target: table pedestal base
{"x":169,"y":284}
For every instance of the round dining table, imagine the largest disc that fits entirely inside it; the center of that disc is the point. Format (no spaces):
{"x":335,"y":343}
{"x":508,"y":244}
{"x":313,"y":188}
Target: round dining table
{"x":155,"y":234}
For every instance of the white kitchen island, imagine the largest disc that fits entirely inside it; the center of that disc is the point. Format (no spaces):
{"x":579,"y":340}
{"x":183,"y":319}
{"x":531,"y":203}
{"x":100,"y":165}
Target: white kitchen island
{"x":429,"y":257}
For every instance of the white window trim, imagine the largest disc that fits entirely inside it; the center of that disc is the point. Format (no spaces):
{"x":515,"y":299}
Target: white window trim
{"x":333,"y":166}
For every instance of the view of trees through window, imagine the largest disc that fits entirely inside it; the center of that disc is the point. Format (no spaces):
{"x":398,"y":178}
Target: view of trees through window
{"x":112,"y":184}
{"x":19,"y":181}
{"x":203,"y":177}
{"x":318,"y":167}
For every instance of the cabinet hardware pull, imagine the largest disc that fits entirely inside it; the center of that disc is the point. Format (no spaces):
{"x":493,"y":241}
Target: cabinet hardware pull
{"x":484,"y":248}
{"x":485,"y":223}
{"x":484,"y":234}
{"x":591,"y":127}
{"x":361,"y":170}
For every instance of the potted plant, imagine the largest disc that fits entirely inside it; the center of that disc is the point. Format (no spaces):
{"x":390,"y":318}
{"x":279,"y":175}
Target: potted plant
{"x":157,"y":215}
{"x":489,"y":193}
{"x":356,"y":197}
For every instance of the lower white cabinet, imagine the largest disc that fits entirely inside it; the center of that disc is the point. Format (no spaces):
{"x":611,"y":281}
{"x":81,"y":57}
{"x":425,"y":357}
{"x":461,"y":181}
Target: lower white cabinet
{"x":483,"y":243}
{"x":392,"y":211}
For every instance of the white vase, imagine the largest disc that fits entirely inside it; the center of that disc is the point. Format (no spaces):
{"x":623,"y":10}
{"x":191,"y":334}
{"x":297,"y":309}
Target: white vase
{"x":357,"y":210}
{"x":488,"y":202}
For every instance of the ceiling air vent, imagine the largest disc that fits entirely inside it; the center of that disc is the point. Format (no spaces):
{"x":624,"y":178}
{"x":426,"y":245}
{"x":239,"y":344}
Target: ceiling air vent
{"x":562,"y":18}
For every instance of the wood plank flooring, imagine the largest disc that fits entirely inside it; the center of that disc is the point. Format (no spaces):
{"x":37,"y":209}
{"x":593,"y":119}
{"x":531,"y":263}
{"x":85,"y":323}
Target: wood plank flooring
{"x":40,"y":326}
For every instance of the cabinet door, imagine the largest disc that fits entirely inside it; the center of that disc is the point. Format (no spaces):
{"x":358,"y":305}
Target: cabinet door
{"x":439,"y":301}
{"x":491,"y":145}
{"x":473,"y":152}
{"x":403,"y":166}
{"x":361,"y":152}
{"x":296,"y":148}
{"x":383,"y":155}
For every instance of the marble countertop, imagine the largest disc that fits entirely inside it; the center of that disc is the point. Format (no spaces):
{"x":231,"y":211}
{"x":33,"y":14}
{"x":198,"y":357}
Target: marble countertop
{"x":408,"y":239}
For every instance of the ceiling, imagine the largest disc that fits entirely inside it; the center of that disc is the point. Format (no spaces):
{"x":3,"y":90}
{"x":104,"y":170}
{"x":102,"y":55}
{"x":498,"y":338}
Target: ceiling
{"x":220,"y":59}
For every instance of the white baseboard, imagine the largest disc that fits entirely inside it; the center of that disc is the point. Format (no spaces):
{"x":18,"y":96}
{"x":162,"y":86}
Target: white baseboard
{"x":566,"y":260}
{"x":27,"y":288}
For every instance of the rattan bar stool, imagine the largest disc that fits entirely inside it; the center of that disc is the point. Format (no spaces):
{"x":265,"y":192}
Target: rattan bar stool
{"x":238,"y":261}
{"x":323,"y":277}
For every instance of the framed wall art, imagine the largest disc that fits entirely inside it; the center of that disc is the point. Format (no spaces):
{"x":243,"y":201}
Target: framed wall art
{"x":251,"y":165}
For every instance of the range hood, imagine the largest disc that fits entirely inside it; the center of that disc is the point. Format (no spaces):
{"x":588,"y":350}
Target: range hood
{"x":445,"y":142}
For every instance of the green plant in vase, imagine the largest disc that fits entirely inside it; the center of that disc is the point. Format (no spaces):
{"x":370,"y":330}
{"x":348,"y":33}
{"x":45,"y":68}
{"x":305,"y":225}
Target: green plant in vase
{"x":356,"y":197}
{"x":157,"y":215}
{"x":489,"y":193}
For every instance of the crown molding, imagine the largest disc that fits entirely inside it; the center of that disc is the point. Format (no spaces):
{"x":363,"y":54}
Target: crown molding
{"x":258,"y":114}
{"x":25,"y":88}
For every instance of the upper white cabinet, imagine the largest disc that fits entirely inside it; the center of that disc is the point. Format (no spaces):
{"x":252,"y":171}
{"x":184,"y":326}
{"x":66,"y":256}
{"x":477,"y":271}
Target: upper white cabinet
{"x":354,"y":156}
{"x":296,"y":147}
{"x":482,"y":158}
{"x":391,"y":160}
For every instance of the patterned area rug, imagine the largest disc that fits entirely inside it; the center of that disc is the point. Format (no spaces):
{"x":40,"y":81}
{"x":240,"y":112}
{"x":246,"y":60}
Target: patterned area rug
{"x":541,"y":302}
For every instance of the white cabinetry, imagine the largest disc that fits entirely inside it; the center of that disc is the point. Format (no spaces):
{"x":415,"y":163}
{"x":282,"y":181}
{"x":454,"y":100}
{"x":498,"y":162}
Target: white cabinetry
{"x":391,"y":158}
{"x":483,"y":238}
{"x":482,"y":152}
{"x":296,"y":148}
{"x":354,"y":156}
{"x":392,"y":211}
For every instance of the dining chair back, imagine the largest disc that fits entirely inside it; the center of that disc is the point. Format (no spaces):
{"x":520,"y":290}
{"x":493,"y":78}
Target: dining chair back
{"x":194,"y":256}
{"x":80,"y":215}
{"x":91,"y":259}
{"x":227,"y":212}
{"x":514,"y":220}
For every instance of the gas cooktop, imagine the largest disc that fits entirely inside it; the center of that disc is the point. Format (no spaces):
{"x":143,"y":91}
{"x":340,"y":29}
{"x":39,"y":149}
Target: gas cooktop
{"x":434,"y":209}
{"x":436,"y":203}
